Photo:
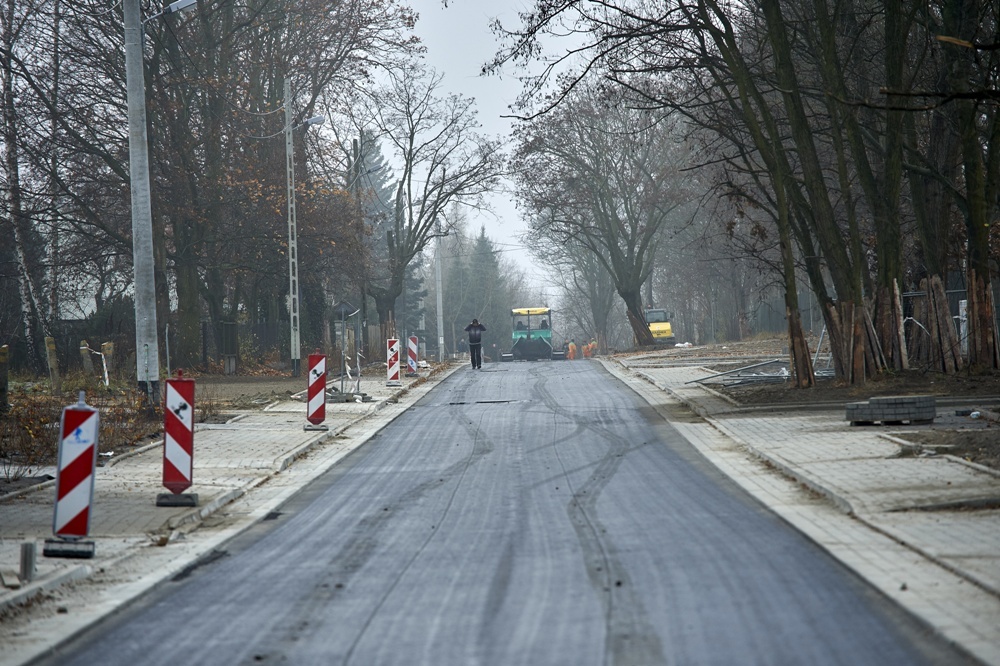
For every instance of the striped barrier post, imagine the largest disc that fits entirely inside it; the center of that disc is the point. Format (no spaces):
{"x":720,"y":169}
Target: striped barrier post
{"x":392,"y":362}
{"x":411,"y":356}
{"x":77,"y":457}
{"x":316,"y":402}
{"x":178,"y":443}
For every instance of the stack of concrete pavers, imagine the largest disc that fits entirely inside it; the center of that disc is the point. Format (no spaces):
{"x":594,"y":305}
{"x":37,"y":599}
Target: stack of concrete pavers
{"x":893,"y":410}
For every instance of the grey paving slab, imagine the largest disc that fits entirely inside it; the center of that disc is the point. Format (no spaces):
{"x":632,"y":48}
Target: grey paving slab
{"x":961,"y":539}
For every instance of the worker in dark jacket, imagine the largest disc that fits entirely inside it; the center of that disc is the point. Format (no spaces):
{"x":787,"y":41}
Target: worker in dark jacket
{"x":475,"y":331}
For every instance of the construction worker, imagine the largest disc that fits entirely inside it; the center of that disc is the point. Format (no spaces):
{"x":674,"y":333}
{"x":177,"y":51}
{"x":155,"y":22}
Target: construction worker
{"x":572,"y":350}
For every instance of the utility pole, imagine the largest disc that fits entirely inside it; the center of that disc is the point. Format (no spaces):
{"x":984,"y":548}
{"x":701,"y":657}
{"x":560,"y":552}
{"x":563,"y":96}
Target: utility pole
{"x":293,"y":239}
{"x":147,"y":350}
{"x":440,"y":307}
{"x":357,"y":146}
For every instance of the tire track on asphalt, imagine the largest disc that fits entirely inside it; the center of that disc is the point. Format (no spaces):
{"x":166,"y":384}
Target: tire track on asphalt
{"x":363,"y":541}
{"x":630,"y":638}
{"x":482,"y":446}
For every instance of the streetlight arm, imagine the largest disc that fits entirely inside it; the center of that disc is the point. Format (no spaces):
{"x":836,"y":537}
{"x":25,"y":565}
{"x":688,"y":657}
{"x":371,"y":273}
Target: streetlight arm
{"x":178,"y":6}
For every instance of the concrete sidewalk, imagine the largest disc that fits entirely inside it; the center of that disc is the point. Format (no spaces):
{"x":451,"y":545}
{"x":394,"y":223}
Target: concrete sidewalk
{"x":230,"y":461}
{"x":905,"y":523}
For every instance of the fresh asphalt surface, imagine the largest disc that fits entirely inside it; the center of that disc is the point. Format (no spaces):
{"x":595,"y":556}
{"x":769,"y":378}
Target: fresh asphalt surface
{"x":528,"y":513}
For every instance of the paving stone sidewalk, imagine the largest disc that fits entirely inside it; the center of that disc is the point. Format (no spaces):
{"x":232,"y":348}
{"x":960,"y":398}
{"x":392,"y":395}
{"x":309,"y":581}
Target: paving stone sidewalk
{"x":229,"y":460}
{"x":926,"y":504}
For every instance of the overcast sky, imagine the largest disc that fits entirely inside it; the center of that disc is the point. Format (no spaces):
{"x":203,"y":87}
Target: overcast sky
{"x":459,"y":41}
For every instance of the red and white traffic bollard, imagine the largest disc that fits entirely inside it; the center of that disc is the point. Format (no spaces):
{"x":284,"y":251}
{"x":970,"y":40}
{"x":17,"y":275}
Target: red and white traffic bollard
{"x":316,"y":403}
{"x":411,"y":356}
{"x":178,"y":443}
{"x":78,"y":432}
{"x":392,"y":362}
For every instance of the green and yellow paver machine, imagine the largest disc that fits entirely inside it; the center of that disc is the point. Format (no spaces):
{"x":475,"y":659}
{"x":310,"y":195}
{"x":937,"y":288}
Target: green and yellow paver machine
{"x":531,"y":339}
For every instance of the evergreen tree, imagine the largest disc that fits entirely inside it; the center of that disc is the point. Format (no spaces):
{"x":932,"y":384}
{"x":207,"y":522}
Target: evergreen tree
{"x":410,"y":308}
{"x":488,"y":291}
{"x":458,"y":300}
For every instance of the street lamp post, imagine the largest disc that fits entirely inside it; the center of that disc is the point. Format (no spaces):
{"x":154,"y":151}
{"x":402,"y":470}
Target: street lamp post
{"x":147,"y":354}
{"x":293,"y":237}
{"x":440,"y":307}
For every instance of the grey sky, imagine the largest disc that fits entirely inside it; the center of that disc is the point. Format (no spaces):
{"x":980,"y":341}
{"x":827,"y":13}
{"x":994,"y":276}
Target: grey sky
{"x":459,"y":41}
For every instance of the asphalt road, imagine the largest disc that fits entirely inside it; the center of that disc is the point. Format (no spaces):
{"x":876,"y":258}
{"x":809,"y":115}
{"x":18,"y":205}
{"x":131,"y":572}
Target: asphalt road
{"x":528,"y":513}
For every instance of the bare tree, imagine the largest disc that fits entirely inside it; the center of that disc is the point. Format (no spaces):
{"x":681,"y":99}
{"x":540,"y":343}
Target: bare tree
{"x":440,"y":158}
{"x":604,"y":177}
{"x":589,"y":294}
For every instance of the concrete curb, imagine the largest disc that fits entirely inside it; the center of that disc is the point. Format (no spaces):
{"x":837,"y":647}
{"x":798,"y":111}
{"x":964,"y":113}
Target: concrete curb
{"x":41,"y":585}
{"x":842,"y":503}
{"x":906,"y":445}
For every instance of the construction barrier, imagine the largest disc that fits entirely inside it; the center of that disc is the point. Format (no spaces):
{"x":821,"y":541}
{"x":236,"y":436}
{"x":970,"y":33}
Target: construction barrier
{"x":178,"y":435}
{"x":77,"y":460}
{"x":392,"y":362}
{"x":316,"y":401}
{"x":78,"y":430}
{"x":411,"y":356}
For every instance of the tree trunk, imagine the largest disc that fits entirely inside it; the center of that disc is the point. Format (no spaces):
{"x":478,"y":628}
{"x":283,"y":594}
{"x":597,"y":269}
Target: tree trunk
{"x":385,"y":304}
{"x":889,"y":327}
{"x":948,"y":345}
{"x":983,"y":348}
{"x":881,"y":186}
{"x":186,"y":354}
{"x":30,"y":313}
{"x":636,"y":319}
{"x":797,"y":347}
{"x":845,"y":275}
{"x":53,"y":258}
{"x":798,"y":351}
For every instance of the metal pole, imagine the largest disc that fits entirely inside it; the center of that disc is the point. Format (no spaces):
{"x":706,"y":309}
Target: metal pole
{"x":357,"y":351}
{"x":146,"y":343}
{"x":293,"y":251}
{"x":440,"y":313}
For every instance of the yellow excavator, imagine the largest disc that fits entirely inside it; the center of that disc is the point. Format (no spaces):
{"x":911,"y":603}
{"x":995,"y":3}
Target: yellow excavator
{"x":659,"y":324}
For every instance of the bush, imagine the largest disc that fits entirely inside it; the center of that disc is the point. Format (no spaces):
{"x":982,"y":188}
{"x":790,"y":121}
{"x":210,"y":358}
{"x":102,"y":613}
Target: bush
{"x":29,"y":432}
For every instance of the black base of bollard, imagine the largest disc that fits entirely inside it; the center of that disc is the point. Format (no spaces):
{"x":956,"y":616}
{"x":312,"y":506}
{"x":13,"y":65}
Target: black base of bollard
{"x":180,"y":499}
{"x":315,"y":427}
{"x":81,"y":550}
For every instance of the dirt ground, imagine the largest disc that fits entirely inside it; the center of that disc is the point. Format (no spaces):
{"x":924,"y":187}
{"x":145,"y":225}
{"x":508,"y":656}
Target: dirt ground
{"x":955,"y":431}
{"x":239,"y":392}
